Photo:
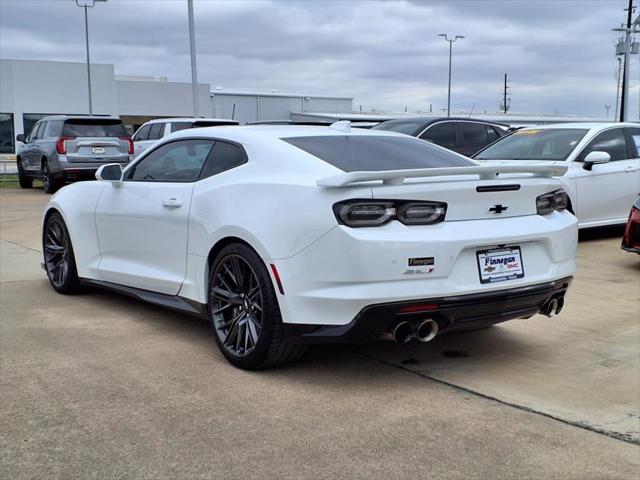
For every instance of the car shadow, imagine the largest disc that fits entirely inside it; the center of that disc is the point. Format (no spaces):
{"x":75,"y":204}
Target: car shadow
{"x":339,"y":362}
{"x":601,"y":233}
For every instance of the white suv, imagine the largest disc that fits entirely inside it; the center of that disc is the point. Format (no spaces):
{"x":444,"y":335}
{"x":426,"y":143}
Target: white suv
{"x":156,"y":129}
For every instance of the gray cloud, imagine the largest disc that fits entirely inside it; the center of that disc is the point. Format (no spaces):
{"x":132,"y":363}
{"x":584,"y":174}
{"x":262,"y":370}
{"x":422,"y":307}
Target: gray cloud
{"x":559,"y":54}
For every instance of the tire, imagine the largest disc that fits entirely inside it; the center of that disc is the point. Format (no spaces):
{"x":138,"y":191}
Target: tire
{"x":24,"y":180}
{"x":59,"y":259}
{"x":250,"y":309}
{"x":50,"y":183}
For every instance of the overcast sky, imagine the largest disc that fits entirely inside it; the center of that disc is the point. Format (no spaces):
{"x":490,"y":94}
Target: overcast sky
{"x":386,"y":54}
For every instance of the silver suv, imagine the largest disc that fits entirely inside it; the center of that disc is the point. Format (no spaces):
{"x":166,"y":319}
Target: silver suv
{"x":62,"y":148}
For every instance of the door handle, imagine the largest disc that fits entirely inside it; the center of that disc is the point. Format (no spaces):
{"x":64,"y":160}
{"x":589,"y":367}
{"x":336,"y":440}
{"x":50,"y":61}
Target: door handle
{"x":172,"y":203}
{"x":630,"y":169}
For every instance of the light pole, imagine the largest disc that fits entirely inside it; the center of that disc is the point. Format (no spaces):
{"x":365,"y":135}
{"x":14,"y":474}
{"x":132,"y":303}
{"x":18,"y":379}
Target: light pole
{"x":451,"y":42}
{"x":88,"y":4}
{"x":192,"y":48}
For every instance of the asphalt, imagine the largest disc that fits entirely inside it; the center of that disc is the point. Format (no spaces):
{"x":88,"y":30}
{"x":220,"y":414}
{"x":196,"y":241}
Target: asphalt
{"x":102,"y":386}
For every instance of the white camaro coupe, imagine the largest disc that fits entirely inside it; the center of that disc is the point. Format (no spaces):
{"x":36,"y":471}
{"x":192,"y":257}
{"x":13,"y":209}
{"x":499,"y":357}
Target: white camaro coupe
{"x":284,"y":236}
{"x":603,"y":160}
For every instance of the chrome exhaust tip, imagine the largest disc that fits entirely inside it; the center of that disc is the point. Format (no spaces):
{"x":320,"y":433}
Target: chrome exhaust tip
{"x":427,"y":330}
{"x":402,"y":332}
{"x":560,"y":305}
{"x":550,"y":308}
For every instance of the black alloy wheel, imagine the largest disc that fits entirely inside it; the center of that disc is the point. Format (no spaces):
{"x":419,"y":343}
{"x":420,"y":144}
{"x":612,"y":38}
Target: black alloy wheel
{"x":245,"y":315}
{"x":59,"y":260}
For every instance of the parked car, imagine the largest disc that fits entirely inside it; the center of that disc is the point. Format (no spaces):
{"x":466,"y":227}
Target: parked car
{"x":631,"y":238}
{"x":603,"y":176}
{"x":463,"y":135}
{"x":154,"y":130}
{"x":285,"y":235}
{"x":63,"y":148}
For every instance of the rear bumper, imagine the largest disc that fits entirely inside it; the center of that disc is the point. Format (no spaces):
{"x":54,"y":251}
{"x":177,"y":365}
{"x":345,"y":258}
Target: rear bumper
{"x":346,"y":270}
{"x":61,"y":165}
{"x":451,"y":313}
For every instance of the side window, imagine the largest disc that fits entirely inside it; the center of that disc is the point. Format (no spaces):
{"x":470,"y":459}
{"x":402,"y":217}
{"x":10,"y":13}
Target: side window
{"x":41,"y":130}
{"x":492,"y":134}
{"x":33,"y":135}
{"x":443,"y":134}
{"x":179,"y":161}
{"x":473,"y":134}
{"x":224,"y":156}
{"x":634,"y":136}
{"x":54,"y":129}
{"x":143,"y":133}
{"x":612,"y":141}
{"x":177,"y":126}
{"x":157,"y":129}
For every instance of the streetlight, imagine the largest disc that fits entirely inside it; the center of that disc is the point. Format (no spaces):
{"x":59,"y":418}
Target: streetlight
{"x":88,"y":4}
{"x":451,"y":42}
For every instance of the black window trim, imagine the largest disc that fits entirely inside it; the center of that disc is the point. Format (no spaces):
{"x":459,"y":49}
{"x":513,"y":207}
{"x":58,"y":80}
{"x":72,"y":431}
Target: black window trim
{"x":632,"y":149}
{"x":578,"y":158}
{"x":131,"y":168}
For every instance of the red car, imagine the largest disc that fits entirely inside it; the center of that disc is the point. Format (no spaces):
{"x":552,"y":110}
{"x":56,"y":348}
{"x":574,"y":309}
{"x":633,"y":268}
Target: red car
{"x":631,"y":239}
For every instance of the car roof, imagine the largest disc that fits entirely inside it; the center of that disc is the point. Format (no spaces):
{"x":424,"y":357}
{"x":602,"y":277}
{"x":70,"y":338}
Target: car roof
{"x":191,"y":119}
{"x":79,"y":117}
{"x":277,"y":132}
{"x":430,"y":120}
{"x":583,"y":125}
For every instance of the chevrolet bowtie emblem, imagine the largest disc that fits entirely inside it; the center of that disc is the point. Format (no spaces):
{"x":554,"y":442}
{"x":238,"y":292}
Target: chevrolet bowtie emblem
{"x":498,"y":209}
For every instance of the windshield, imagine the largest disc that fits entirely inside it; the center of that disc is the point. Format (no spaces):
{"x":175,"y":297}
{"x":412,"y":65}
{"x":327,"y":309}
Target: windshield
{"x":406,"y":127}
{"x":353,"y":153}
{"x":531,"y":144}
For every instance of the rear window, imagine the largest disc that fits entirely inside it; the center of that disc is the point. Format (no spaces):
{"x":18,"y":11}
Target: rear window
{"x":406,"y":127}
{"x":352,"y":153}
{"x":94,"y":128}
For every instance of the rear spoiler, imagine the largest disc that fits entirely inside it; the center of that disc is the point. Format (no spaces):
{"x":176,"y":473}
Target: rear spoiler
{"x":397,"y":177}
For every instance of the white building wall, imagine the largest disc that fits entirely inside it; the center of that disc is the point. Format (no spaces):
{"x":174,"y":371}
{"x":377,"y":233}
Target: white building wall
{"x":330,"y":105}
{"x":251,"y":107}
{"x":164,"y":99}
{"x":29,"y":86}
{"x":246,"y":107}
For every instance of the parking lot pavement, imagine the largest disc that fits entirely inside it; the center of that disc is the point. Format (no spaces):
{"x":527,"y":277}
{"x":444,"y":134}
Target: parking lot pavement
{"x":98,"y":385}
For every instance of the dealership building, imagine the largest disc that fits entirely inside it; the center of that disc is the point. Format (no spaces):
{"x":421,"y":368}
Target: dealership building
{"x":31,"y":89}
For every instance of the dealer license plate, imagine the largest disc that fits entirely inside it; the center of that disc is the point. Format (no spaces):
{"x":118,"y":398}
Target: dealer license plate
{"x":98,"y":150}
{"x":500,"y":264}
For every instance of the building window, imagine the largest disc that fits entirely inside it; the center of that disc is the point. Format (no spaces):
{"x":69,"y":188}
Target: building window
{"x":7,"y":144}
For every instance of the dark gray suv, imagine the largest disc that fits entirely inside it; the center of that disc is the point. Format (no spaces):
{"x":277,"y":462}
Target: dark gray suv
{"x":63,"y":148}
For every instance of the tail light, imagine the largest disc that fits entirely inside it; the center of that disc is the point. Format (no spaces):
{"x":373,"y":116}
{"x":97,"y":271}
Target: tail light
{"x":373,"y":213}
{"x":130,"y":140}
{"x":553,"y":201}
{"x":61,"y":148}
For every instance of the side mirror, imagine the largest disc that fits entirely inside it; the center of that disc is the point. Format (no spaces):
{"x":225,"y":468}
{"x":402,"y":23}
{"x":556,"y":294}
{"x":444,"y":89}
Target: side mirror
{"x":595,"y":158}
{"x":111,"y":172}
{"x":21,"y":138}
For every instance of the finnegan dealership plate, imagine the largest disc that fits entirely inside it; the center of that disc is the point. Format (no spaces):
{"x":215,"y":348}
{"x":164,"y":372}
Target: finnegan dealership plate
{"x":500,"y":264}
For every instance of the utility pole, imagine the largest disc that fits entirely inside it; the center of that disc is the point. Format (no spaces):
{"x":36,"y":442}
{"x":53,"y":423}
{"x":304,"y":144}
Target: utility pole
{"x":192,"y":48}
{"x":505,"y":106}
{"x":624,"y":99}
